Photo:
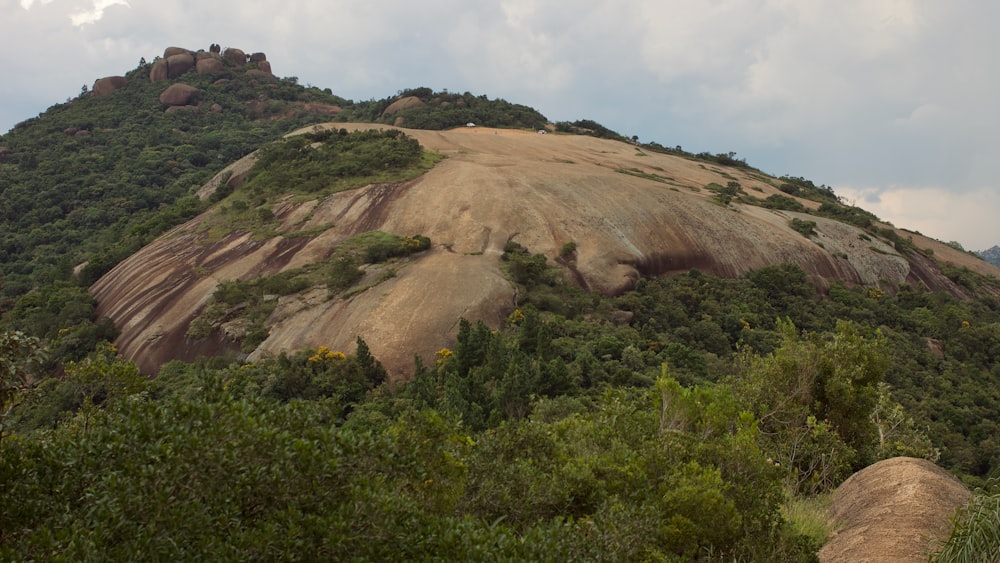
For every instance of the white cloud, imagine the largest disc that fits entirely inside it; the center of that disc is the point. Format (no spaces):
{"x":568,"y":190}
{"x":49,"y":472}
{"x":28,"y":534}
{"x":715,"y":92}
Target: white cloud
{"x":96,"y":12}
{"x":26,"y":4}
{"x":967,"y":217}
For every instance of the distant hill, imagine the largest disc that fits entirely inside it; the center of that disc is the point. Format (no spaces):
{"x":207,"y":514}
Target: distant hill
{"x":991,"y":255}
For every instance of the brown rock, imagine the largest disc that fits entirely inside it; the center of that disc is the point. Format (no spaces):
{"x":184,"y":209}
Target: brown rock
{"x":235,"y":56}
{"x":495,"y":185}
{"x":200,"y":55}
{"x":892,"y":511}
{"x":214,"y":48}
{"x":408,"y":102}
{"x":179,"y":64}
{"x":209,"y":66}
{"x":264,"y":66}
{"x":258,"y":58}
{"x":70,"y":131}
{"x":108,"y":84}
{"x":171,"y":51}
{"x":179,"y":95}
{"x":215,"y":108}
{"x":82,"y":133}
{"x":159,"y":71}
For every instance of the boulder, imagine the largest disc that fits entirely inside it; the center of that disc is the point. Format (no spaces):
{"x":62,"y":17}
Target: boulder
{"x":70,"y":131}
{"x":408,"y":102}
{"x":892,"y":511}
{"x":179,"y":64}
{"x":205,"y":55}
{"x":171,"y":51}
{"x":214,"y":48}
{"x":179,"y":95}
{"x":209,"y":66}
{"x":215,"y":108}
{"x":264,"y":66}
{"x":159,"y":71}
{"x":258,"y":58}
{"x":108,"y":84}
{"x":235,"y":56}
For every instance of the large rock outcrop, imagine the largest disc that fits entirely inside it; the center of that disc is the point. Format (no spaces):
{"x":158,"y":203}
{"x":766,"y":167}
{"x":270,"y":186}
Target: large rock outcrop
{"x":179,"y":94}
{"x":179,"y":64}
{"x":158,"y":72}
{"x":407,"y":102}
{"x":892,"y":512}
{"x":235,"y":56}
{"x":108,"y":84}
{"x":630,"y":214}
{"x":177,"y":61}
{"x":209,"y":65}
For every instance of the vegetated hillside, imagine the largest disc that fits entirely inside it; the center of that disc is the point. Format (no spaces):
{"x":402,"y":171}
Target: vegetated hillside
{"x":89,"y":182}
{"x":88,"y":179}
{"x":674,"y":355}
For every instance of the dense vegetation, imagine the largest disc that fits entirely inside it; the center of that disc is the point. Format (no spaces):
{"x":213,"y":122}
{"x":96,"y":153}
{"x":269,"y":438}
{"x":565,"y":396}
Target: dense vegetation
{"x":97,"y":177}
{"x":586,"y":428}
{"x":692,"y":418}
{"x":444,"y":110}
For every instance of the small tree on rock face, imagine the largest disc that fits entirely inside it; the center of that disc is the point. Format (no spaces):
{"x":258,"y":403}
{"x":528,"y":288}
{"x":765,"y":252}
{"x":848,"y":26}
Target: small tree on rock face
{"x":371,"y":368}
{"x":17,"y":351}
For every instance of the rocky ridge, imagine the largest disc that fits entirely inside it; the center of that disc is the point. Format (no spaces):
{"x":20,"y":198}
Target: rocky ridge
{"x":178,"y":61}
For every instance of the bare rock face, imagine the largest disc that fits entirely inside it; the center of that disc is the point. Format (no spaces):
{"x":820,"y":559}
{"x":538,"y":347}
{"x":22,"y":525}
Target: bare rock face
{"x":107,"y":85}
{"x":179,"y":95}
{"x":235,"y":56}
{"x":258,"y":58}
{"x":171,"y":51}
{"x":404,"y":103}
{"x":209,"y":66}
{"x":264,"y":66}
{"x":158,"y":72}
{"x":179,"y":64}
{"x":494,"y":186}
{"x":892,"y":511}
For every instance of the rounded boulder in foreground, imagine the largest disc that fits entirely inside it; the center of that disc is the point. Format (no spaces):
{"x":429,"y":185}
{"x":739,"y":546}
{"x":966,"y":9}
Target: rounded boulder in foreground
{"x":892,"y":511}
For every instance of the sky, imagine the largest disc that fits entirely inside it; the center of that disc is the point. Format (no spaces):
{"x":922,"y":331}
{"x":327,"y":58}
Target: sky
{"x":895,"y":104}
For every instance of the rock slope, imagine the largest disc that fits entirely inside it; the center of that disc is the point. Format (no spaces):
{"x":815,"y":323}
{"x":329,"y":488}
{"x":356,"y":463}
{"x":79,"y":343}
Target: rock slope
{"x":892,"y":511}
{"x":630,"y":214}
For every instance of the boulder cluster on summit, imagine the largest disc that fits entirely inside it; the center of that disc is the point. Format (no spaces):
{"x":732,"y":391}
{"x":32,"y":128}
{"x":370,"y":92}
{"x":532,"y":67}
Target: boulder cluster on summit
{"x":177,"y":61}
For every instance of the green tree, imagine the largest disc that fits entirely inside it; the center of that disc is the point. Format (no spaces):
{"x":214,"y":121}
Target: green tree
{"x":17,"y":352}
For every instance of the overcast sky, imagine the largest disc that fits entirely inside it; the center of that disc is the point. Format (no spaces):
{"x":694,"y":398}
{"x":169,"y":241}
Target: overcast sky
{"x":893,"y":103}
